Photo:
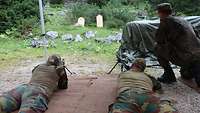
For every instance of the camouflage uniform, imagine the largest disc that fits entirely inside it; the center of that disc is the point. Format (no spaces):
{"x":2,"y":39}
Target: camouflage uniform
{"x":177,"y":43}
{"x":135,"y":95}
{"x":34,"y":96}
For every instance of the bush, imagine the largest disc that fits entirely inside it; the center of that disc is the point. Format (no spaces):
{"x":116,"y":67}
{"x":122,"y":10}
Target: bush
{"x":56,"y":1}
{"x":14,"y":13}
{"x":115,"y":16}
{"x":188,"y":7}
{"x":114,"y":23}
{"x":99,"y":3}
{"x":130,"y":2}
{"x":89,"y":12}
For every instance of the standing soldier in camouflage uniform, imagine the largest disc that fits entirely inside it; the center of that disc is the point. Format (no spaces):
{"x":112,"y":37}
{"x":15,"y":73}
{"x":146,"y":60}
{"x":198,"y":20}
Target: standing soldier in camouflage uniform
{"x":136,"y":93}
{"x":176,"y":42}
{"x":34,"y":96}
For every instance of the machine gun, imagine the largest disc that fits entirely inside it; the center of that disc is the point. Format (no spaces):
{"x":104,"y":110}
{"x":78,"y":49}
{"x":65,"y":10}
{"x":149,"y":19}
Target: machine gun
{"x":63,"y":81}
{"x":63,"y":63}
{"x":126,"y":58}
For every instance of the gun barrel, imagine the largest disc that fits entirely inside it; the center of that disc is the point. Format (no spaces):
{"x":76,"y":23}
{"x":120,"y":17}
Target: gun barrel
{"x":113,"y":68}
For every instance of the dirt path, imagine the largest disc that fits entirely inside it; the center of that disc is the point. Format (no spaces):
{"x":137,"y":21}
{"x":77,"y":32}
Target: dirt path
{"x":85,"y":95}
{"x":90,"y":89}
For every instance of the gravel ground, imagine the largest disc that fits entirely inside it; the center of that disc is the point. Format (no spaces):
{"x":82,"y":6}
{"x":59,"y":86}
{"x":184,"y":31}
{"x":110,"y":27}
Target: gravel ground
{"x":187,"y":99}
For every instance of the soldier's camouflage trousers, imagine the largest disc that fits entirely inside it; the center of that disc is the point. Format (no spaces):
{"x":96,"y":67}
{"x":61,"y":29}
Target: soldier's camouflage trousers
{"x":26,"y":98}
{"x":131,"y":102}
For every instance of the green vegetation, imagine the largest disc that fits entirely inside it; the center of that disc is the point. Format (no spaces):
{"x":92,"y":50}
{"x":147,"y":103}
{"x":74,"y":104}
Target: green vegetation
{"x":115,"y":14}
{"x":99,"y":3}
{"x":184,"y":7}
{"x":18,"y":15}
{"x":56,"y":1}
{"x":13,"y":49}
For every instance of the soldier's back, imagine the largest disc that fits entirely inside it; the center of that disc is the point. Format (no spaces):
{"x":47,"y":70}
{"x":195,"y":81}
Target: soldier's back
{"x":183,"y":40}
{"x":135,"y":80}
{"x":46,"y":77}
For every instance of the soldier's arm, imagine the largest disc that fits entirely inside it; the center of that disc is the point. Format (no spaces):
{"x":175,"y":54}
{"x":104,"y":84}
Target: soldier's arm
{"x":156,"y":83}
{"x":162,"y":45}
{"x":63,"y":80}
{"x":161,"y":34}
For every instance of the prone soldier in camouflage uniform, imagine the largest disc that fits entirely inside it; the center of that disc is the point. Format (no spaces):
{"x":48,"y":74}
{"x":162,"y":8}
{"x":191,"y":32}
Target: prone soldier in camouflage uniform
{"x":34,"y":96}
{"x":136,"y":93}
{"x":177,"y":42}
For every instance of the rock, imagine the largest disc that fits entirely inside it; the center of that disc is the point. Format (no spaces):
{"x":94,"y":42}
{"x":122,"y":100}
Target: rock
{"x":90,"y":34}
{"x":81,"y":22}
{"x":118,"y":37}
{"x":67,"y":38}
{"x":114,"y":38}
{"x":78,"y":38}
{"x":36,"y":43}
{"x":142,"y":14}
{"x":111,"y":38}
{"x":52,"y":34}
{"x":61,"y":13}
{"x":99,"y":40}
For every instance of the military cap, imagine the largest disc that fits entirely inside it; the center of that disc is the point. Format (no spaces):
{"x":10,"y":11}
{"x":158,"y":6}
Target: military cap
{"x":54,"y":60}
{"x":139,"y":63}
{"x":166,"y":7}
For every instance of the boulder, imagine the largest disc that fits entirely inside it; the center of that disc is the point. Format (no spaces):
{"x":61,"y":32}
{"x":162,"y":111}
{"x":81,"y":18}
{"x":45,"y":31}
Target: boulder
{"x":36,"y":43}
{"x":78,"y":38}
{"x":90,"y":34}
{"x":51,"y":34}
{"x":67,"y":38}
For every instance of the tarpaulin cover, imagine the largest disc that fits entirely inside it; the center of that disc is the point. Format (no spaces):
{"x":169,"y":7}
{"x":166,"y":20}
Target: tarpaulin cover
{"x":138,"y":39}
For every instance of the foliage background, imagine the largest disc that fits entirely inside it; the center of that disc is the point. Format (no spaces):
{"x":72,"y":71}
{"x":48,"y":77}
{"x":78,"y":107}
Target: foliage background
{"x":19,"y":17}
{"x":187,"y":7}
{"x":19,"y":14}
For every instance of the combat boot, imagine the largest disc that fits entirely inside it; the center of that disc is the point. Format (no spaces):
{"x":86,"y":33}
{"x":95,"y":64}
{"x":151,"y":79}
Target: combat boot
{"x":168,"y":77}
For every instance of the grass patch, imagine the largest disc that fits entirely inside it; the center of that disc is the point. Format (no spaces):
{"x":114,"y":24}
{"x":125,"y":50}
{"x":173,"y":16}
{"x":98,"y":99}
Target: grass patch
{"x":13,"y":50}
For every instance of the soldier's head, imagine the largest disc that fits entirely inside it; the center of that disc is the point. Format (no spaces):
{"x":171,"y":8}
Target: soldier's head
{"x":55,"y":60}
{"x":139,"y":65}
{"x":164,"y":10}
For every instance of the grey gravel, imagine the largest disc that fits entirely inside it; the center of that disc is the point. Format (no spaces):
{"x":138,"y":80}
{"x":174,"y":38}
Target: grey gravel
{"x":187,"y":99}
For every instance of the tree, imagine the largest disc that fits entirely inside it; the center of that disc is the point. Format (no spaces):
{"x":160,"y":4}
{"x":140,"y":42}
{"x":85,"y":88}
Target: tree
{"x":56,"y":1}
{"x":100,"y":3}
{"x":20,"y":14}
{"x":188,"y":7}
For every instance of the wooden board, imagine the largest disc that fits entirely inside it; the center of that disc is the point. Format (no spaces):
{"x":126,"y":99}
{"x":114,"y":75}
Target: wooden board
{"x":190,"y":83}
